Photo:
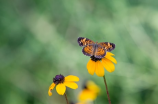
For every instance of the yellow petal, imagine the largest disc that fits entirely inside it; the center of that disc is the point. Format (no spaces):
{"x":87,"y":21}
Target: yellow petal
{"x":50,"y":89}
{"x":61,"y":88}
{"x":86,"y":95}
{"x":71,"y":78}
{"x":109,"y":66}
{"x":109,"y":54}
{"x":91,"y":65}
{"x":99,"y":69}
{"x":93,"y":87}
{"x":72,"y":85}
{"x":111,"y":59}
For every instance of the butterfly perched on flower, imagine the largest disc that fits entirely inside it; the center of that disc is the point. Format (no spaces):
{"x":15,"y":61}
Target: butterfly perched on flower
{"x":91,"y":48}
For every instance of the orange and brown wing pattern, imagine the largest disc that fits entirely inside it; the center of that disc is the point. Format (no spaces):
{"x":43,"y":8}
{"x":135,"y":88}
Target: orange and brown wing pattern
{"x":100,"y":52}
{"x":88,"y":50}
{"x":84,"y":41}
{"x":108,"y":46}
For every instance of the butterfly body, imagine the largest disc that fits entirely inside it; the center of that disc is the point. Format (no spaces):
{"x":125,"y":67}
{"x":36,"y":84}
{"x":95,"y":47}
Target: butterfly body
{"x":95,"y":49}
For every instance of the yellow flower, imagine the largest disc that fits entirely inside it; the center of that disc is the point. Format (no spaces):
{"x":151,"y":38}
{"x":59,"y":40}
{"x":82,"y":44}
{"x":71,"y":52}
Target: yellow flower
{"x":89,"y":92}
{"x":96,"y":65}
{"x":61,"y":82}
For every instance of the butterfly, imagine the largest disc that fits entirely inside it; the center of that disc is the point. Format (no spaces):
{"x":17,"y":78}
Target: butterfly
{"x":91,"y":48}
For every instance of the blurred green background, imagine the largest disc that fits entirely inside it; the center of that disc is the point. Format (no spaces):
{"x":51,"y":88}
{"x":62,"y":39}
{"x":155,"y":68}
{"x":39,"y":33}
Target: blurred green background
{"x":38,"y":40}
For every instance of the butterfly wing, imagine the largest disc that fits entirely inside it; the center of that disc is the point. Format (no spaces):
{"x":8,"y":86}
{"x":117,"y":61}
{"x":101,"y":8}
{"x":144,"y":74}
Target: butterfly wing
{"x":100,"y":52}
{"x":108,"y":46}
{"x":88,"y":50}
{"x":84,"y":41}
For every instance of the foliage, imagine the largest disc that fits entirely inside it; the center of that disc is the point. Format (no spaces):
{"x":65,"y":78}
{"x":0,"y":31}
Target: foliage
{"x":38,"y":39}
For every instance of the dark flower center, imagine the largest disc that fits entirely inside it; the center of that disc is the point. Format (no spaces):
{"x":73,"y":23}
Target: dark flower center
{"x":95,"y":59}
{"x":58,"y":79}
{"x":85,"y":87}
{"x":72,"y":103}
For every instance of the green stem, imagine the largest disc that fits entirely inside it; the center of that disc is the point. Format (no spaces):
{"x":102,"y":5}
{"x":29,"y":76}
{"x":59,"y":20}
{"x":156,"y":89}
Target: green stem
{"x":66,"y":99}
{"x":107,"y":89}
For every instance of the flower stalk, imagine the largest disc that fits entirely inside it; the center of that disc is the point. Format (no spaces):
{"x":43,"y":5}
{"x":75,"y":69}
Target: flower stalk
{"x":66,"y":98}
{"x":107,"y":89}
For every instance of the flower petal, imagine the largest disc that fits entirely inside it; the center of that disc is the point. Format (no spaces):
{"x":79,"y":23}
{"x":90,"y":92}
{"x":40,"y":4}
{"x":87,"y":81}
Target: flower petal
{"x":86,"y":95}
{"x":71,"y":78}
{"x":61,"y":88}
{"x":111,"y":59}
{"x":93,"y":87}
{"x":109,"y":66}
{"x":50,"y":89}
{"x":72,"y":85}
{"x":91,"y":65}
{"x":99,"y":69}
{"x":109,"y":54}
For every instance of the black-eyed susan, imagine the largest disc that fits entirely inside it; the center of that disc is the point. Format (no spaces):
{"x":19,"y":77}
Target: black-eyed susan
{"x":89,"y":93}
{"x":61,"y":82}
{"x":97,"y":65}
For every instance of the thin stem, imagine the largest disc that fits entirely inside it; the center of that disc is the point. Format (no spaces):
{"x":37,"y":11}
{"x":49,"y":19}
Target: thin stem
{"x":107,"y":90}
{"x":66,"y":99}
